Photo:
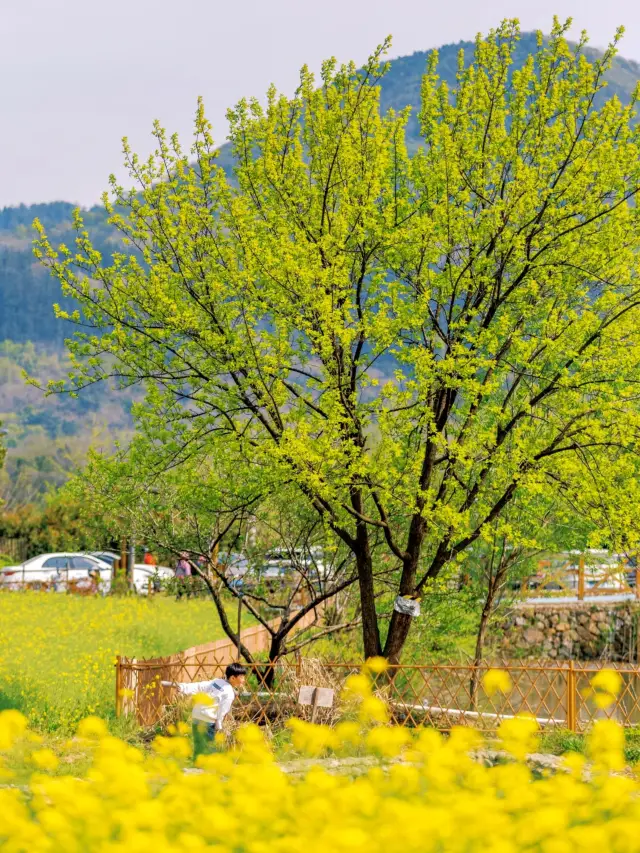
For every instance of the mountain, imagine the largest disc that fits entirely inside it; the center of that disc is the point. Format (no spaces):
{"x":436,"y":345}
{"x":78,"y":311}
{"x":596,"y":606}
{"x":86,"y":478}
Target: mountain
{"x":48,"y":437}
{"x":26,"y":291}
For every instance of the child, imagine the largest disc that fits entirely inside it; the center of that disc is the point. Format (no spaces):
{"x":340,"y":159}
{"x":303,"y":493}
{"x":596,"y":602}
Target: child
{"x":207,"y":719}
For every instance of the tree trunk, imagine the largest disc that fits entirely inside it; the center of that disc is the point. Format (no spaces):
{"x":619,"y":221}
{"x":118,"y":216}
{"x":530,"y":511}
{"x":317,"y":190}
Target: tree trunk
{"x":268,"y":675}
{"x":400,"y":623}
{"x":364,"y":565}
{"x":477,"y":659}
{"x":370,"y":630}
{"x":399,"y":628}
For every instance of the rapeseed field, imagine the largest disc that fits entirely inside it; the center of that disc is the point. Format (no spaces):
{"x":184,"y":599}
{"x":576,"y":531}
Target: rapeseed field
{"x":437,"y":799}
{"x":57,"y":652}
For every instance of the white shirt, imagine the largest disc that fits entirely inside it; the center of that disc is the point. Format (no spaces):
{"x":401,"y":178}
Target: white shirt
{"x":221,"y":693}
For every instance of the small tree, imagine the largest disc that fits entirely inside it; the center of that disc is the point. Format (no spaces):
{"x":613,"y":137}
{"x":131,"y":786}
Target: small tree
{"x":411,"y":340}
{"x":209,"y":509}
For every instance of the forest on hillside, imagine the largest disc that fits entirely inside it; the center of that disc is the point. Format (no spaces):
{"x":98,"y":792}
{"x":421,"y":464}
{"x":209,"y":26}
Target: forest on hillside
{"x":48,"y":436}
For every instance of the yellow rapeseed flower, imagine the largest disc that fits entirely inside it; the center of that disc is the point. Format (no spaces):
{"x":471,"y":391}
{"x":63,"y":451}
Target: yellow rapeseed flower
{"x":13,"y":724}
{"x":376,"y":664}
{"x":92,"y":728}
{"x":518,"y":736}
{"x":373,"y":709}
{"x":605,"y":745}
{"x":605,"y":687}
{"x":45,"y":759}
{"x":357,"y":685}
{"x":496,"y":681}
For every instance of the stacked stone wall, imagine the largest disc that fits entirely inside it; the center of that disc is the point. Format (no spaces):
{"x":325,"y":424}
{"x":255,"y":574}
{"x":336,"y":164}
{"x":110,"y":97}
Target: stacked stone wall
{"x":583,"y":631}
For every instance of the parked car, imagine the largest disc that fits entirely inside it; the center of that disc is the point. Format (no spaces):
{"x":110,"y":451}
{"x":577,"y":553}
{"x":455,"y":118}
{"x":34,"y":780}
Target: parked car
{"x":106,"y":556}
{"x":284,"y":564}
{"x":236,"y":568}
{"x":55,"y":571}
{"x":143,"y":575}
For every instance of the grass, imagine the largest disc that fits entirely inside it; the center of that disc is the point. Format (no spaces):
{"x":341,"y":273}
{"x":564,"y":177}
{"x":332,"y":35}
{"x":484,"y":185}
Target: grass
{"x":562,"y":741}
{"x":57,"y":652}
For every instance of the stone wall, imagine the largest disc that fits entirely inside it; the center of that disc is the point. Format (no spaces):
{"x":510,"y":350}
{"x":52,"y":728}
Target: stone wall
{"x":584,"y":630}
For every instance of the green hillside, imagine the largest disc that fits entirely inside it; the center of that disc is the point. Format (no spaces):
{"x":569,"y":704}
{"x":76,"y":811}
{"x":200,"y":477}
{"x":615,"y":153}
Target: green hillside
{"x":47,"y":437}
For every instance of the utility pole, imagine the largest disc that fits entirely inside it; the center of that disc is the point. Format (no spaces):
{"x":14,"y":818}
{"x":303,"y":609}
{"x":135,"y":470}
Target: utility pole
{"x":131,"y":561}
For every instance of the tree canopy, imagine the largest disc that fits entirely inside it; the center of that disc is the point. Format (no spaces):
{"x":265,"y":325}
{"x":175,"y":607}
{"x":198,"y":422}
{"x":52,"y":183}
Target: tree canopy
{"x":413,"y":339}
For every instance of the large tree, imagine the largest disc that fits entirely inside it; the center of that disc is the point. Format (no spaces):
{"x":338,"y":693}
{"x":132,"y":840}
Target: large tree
{"x":411,"y":340}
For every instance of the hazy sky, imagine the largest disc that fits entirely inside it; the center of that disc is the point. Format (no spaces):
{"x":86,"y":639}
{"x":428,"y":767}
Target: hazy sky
{"x":77,"y":75}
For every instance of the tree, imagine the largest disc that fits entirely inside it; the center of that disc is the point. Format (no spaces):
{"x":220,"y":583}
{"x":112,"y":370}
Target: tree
{"x":205,"y":509}
{"x":411,"y":340}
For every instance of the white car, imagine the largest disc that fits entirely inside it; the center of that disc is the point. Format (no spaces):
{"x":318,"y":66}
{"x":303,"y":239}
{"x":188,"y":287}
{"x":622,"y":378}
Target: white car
{"x":54,"y":570}
{"x":143,"y":575}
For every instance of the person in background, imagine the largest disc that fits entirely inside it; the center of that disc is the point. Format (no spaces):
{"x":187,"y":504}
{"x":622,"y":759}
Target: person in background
{"x":183,"y":574}
{"x":207,"y":719}
{"x":149,"y":559}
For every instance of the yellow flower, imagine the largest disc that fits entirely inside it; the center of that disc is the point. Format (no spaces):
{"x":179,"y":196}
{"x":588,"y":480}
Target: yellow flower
{"x":373,"y":709}
{"x":358,"y":685}
{"x":605,"y":687}
{"x":92,"y":728}
{"x":376,"y":665}
{"x":250,"y":735}
{"x":173,"y":747}
{"x":388,"y":741}
{"x":605,"y":744}
{"x":310,"y":739}
{"x":518,"y":736}
{"x":13,"y":724}
{"x":347,"y":732}
{"x":202,"y":699}
{"x":45,"y":759}
{"x":496,"y":681}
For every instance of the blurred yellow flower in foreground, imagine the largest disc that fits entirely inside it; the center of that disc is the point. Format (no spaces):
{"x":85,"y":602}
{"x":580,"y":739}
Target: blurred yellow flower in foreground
{"x":45,"y":759}
{"x":496,"y":681}
{"x":416,"y":792}
{"x":376,"y":665}
{"x":92,"y":728}
{"x":604,"y":688}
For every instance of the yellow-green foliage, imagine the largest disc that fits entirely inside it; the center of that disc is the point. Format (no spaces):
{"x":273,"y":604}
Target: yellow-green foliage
{"x":417,"y":339}
{"x":57,"y":652}
{"x":438,"y":801}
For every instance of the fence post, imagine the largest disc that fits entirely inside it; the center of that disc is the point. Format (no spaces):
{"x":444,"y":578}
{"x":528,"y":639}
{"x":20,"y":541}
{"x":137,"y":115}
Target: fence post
{"x":572,"y":722}
{"x":118,"y":686}
{"x":581,"y":579}
{"x":637,"y":589}
{"x":298,"y":665}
